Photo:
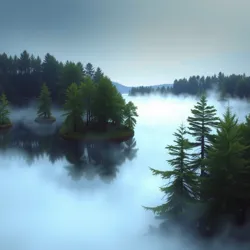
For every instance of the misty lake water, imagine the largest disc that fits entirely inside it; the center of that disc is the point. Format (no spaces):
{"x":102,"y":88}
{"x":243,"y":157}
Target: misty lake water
{"x":64,"y":195}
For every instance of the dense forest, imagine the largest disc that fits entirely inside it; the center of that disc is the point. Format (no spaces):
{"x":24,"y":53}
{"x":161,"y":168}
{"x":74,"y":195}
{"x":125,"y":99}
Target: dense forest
{"x":209,"y":184}
{"x":228,"y":86}
{"x":90,"y":100}
{"x":21,"y":78}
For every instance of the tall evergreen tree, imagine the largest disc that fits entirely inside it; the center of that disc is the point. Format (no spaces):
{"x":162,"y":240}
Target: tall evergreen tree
{"x":181,"y":192}
{"x":71,"y":73}
{"x":201,"y":122}
{"x":24,"y":63}
{"x":98,"y":75}
{"x":129,"y":115}
{"x":118,"y":109}
{"x":44,"y":108}
{"x":226,"y":184}
{"x":104,"y":101}
{"x":90,"y":71}
{"x":74,"y":110}
{"x":87,"y":89}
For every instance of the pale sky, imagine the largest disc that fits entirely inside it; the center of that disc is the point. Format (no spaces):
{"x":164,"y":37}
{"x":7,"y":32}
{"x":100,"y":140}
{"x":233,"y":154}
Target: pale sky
{"x":135,"y":42}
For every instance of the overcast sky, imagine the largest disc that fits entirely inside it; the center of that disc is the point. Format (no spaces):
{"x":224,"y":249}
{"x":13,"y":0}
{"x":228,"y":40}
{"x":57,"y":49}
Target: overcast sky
{"x":135,"y":42}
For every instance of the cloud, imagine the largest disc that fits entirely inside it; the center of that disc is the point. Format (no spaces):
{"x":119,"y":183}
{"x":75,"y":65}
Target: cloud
{"x":131,"y":35}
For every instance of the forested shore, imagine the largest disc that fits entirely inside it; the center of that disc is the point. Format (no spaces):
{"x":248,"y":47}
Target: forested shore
{"x":21,"y":77}
{"x":209,"y":184}
{"x":90,"y":101}
{"x":233,"y":86}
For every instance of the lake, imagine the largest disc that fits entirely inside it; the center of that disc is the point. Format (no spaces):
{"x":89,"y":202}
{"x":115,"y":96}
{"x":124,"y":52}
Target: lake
{"x":64,"y":195}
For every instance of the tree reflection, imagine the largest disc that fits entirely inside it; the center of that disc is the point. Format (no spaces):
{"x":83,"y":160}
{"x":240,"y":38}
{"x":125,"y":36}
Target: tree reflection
{"x":130,"y":149}
{"x":85,"y":159}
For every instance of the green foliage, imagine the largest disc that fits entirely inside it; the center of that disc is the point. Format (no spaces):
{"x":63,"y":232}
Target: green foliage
{"x":226,"y":86}
{"x":44,"y":107}
{"x":74,"y":109}
{"x":87,"y":89}
{"x":245,"y":134}
{"x":89,"y":70}
{"x":71,"y":73}
{"x":226,"y":167}
{"x":201,"y":122}
{"x":22,"y":75}
{"x":98,"y":75}
{"x":129,"y":115}
{"x":4,"y":111}
{"x":102,"y":104}
{"x":181,"y":192}
{"x":118,"y":109}
{"x":105,"y":101}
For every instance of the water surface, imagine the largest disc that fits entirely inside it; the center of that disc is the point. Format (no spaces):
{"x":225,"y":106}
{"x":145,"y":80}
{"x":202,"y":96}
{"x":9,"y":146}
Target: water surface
{"x":61,"y":195}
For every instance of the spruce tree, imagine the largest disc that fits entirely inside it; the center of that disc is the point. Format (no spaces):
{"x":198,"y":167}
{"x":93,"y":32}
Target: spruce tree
{"x":4,"y":111}
{"x":89,"y":70}
{"x":226,"y":183}
{"x":245,"y":132}
{"x":201,"y":122}
{"x":181,"y":191}
{"x":44,"y":108}
{"x":130,"y":112}
{"x":98,"y":75}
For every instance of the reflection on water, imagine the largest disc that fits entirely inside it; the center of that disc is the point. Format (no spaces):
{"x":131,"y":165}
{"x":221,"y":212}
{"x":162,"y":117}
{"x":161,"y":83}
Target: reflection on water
{"x":84,"y":159}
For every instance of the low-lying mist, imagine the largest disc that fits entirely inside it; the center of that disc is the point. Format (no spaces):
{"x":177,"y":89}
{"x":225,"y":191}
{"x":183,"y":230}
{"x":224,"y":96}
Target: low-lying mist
{"x":44,"y":208}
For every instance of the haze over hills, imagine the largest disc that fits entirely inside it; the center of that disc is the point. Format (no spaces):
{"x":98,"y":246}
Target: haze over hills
{"x":121,"y":88}
{"x":125,"y":89}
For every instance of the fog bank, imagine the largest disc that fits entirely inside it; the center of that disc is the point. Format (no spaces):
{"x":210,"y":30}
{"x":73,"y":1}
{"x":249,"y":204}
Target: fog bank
{"x":44,"y":208}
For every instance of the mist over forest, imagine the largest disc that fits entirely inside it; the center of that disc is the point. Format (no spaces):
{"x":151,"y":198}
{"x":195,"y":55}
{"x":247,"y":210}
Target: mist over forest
{"x":92,"y":193}
{"x":125,"y":125}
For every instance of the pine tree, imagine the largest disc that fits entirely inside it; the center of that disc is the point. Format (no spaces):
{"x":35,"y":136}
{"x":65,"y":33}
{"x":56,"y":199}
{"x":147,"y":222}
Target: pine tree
{"x":44,"y":108}
{"x":245,"y":132}
{"x":201,"y":122}
{"x":226,"y":183}
{"x":4,"y":111}
{"x":129,"y":115}
{"x":74,"y":107}
{"x":181,"y":192}
{"x":98,"y":75}
{"x":89,"y":70}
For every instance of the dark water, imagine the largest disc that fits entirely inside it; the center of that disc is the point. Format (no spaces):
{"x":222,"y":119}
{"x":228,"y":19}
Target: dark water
{"x":68,"y":195}
{"x":84,"y":160}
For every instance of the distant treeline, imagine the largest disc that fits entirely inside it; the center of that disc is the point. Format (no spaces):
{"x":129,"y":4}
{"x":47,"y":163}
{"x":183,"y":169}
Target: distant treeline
{"x":21,"y":77}
{"x":231,"y":86}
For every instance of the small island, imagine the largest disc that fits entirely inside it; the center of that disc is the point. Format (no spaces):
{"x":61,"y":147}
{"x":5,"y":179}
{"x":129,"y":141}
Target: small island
{"x":44,"y":107}
{"x":97,"y":111}
{"x":5,"y":122}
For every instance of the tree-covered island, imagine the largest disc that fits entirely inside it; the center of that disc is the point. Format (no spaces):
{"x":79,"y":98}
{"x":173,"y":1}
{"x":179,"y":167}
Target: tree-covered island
{"x":93,"y":108}
{"x":97,"y":111}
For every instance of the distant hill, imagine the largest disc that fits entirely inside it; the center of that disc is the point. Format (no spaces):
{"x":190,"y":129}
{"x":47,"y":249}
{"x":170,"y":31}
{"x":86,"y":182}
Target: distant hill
{"x":125,"y":89}
{"x":121,"y":88}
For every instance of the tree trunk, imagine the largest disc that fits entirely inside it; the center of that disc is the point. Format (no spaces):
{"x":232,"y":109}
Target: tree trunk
{"x":202,"y":155}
